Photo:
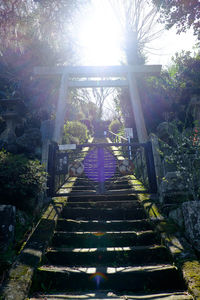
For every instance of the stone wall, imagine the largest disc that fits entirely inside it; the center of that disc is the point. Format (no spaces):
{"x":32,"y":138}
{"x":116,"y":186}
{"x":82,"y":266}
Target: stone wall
{"x":140,"y":168}
{"x":191,"y":217}
{"x":7,"y":226}
{"x":175,"y":196}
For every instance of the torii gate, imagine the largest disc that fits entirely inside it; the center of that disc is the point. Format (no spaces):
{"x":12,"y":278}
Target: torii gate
{"x":69,"y":75}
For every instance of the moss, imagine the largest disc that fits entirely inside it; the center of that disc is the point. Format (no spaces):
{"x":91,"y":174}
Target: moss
{"x":23,"y":227}
{"x":21,"y":274}
{"x":180,"y":250}
{"x":6,"y":259}
{"x":169,"y":227}
{"x":20,"y":270}
{"x":19,"y":282}
{"x":191,"y":274}
{"x":55,"y":208}
{"x":150,"y":207}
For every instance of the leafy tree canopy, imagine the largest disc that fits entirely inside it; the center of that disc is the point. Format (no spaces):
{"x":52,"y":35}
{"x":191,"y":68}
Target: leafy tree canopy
{"x":35,"y":33}
{"x":169,"y":96}
{"x":184,"y":14}
{"x":166,"y":97}
{"x":24,"y":20}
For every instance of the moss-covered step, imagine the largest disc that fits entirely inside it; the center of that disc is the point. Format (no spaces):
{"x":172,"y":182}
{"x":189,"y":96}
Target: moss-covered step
{"x":103,"y":295}
{"x":182,"y":252}
{"x":112,"y":225}
{"x":132,"y":279}
{"x":109,"y":185}
{"x":118,"y":197}
{"x":20,"y":276}
{"x":104,"y":213}
{"x":117,"y":185}
{"x":113,"y":256}
{"x":104,"y":239}
{"x":104,"y":204}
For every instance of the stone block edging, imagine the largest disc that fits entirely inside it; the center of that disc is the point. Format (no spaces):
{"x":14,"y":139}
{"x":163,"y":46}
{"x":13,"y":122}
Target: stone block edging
{"x":184,"y":256}
{"x":22,"y":271}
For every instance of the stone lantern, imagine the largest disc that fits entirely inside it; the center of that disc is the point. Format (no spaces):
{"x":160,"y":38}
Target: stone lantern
{"x":12,"y":112}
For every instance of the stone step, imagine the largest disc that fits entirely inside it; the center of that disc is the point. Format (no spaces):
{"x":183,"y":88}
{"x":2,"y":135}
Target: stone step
{"x":96,"y":197}
{"x":108,"y":185}
{"x":156,"y":278}
{"x":120,"y":180}
{"x":104,"y":204}
{"x":111,"y":185}
{"x":104,"y":239}
{"x":103,"y":213}
{"x":114,"y":257}
{"x":113,"y":225}
{"x":117,"y":191}
{"x":107,"y":295}
{"x":104,"y":248}
{"x":81,"y":187}
{"x":116,"y":180}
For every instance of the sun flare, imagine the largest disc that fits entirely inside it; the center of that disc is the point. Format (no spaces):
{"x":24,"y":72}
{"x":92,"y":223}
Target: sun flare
{"x":100,"y":36}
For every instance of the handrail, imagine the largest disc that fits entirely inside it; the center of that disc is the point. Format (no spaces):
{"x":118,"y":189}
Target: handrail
{"x":111,"y":144}
{"x":117,"y":136}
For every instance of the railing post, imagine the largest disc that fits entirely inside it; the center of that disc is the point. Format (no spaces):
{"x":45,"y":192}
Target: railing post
{"x":129,"y":149}
{"x":150,"y":167}
{"x":51,"y":169}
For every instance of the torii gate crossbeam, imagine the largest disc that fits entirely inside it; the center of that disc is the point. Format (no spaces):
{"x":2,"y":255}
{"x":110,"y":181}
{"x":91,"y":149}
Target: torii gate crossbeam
{"x":97,"y":71}
{"x":69,"y":75}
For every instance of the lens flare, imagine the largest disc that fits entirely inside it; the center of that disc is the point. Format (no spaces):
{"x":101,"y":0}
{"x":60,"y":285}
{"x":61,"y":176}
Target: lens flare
{"x":98,"y":277}
{"x":99,"y":165}
{"x":98,"y":233}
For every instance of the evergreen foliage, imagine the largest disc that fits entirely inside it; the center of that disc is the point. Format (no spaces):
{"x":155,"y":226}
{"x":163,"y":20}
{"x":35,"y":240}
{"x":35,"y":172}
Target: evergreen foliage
{"x":184,"y":155}
{"x":21,"y":180}
{"x":183,"y":14}
{"x":23,"y":20}
{"x":166,"y":97}
{"x":75,"y":132}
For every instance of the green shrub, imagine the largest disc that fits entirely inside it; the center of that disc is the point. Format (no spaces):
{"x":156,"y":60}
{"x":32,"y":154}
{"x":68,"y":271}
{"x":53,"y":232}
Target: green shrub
{"x":88,"y":124}
{"x":21,"y":180}
{"x":75,"y":130}
{"x":115,"y":126}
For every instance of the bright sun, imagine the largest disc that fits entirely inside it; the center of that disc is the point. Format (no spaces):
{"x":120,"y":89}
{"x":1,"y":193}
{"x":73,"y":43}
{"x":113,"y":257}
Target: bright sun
{"x":100,"y":36}
{"x":99,"y":39}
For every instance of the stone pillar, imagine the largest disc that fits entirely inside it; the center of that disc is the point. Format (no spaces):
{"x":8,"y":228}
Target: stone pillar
{"x":12,"y":112}
{"x":61,"y":109}
{"x":137,"y":109}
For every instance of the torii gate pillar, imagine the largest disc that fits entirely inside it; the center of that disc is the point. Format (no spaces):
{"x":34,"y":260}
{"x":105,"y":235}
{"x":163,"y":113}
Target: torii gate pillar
{"x":137,"y":109}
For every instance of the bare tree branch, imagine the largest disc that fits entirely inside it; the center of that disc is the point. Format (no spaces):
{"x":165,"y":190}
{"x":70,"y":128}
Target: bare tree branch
{"x":98,"y":96}
{"x":139,"y":20}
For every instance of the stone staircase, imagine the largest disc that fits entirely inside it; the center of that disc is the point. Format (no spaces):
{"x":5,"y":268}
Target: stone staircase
{"x":106,"y":248}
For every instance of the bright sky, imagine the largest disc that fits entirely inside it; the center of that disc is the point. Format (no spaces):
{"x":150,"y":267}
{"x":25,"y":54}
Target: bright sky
{"x":170,"y":43}
{"x":100,"y":38}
